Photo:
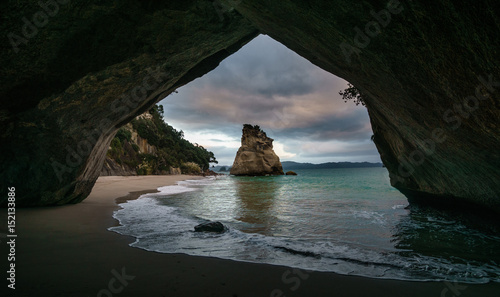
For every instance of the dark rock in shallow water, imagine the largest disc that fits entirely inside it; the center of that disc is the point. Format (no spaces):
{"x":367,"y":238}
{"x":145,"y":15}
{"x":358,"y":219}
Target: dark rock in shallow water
{"x":291,"y":173}
{"x":215,"y":227}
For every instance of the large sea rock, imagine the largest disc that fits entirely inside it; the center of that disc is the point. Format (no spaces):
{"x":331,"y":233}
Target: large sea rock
{"x":256,"y":155}
{"x":432,"y":91}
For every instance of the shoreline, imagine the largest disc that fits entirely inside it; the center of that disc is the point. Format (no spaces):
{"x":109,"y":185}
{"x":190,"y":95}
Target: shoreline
{"x":68,"y":251}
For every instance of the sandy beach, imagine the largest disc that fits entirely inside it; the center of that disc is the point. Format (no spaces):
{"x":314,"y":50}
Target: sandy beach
{"x":68,"y":251}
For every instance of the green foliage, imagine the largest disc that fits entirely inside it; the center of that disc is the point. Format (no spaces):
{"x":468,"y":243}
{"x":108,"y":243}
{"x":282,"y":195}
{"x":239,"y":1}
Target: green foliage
{"x":147,"y":130}
{"x":135,"y":147}
{"x":122,"y":151}
{"x":123,"y":134}
{"x":190,"y":168}
{"x":148,"y":165}
{"x":116,"y":150}
{"x":116,"y":144}
{"x":172,"y":149}
{"x":142,"y":171}
{"x":352,"y":93}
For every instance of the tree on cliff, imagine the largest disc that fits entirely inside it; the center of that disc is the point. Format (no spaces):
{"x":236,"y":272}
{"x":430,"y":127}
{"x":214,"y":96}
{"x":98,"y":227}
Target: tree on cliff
{"x":352,"y":93}
{"x":172,"y":142}
{"x":172,"y":150}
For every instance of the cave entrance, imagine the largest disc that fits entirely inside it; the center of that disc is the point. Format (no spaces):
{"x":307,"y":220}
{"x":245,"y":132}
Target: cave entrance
{"x":295,"y":102}
{"x":299,"y":106}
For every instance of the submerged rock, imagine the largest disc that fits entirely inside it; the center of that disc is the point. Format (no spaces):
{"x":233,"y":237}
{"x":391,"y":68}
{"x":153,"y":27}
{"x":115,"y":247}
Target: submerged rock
{"x":291,"y":173}
{"x":216,"y":227}
{"x":256,"y":155}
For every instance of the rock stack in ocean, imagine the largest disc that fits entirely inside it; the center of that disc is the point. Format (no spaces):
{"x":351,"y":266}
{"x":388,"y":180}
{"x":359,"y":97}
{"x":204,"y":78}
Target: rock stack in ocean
{"x":434,"y":115}
{"x":256,"y":155}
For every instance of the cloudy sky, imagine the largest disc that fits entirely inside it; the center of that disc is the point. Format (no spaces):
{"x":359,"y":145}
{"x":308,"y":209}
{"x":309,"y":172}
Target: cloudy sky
{"x":293,"y":101}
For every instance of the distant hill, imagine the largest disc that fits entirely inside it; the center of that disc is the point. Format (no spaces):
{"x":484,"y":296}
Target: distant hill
{"x":221,"y":168}
{"x":290,"y":165}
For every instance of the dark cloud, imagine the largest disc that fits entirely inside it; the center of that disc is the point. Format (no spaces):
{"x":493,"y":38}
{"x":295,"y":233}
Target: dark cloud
{"x":294,"y":101}
{"x":266,"y":68}
{"x":346,"y":129}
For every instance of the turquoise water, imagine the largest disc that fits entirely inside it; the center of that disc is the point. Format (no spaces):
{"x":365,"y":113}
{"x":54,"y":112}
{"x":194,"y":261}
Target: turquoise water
{"x":349,"y":221}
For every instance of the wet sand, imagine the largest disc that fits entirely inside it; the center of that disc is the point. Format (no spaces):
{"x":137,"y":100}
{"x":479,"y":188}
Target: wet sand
{"x":68,"y":251}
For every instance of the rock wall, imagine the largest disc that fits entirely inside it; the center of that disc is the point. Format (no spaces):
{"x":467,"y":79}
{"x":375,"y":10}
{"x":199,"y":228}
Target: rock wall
{"x":67,"y":86}
{"x":144,"y":146}
{"x":112,"y":168}
{"x":430,"y":72}
{"x":256,"y":156}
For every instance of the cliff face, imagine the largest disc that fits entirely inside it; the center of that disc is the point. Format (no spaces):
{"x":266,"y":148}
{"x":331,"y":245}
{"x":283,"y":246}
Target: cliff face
{"x":123,"y":158}
{"x":67,"y":86}
{"x":149,"y":146}
{"x":113,"y":168}
{"x":430,"y":73}
{"x":256,"y":156}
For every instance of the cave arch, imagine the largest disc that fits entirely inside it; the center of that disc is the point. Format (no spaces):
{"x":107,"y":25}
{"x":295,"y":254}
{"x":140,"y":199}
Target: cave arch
{"x":430,"y":73}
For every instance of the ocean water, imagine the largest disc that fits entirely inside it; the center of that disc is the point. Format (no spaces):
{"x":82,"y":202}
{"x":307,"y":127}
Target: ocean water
{"x":348,"y":221}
